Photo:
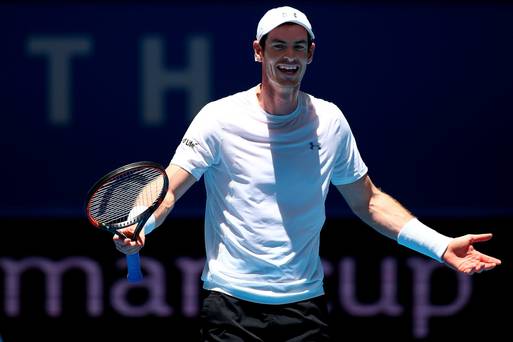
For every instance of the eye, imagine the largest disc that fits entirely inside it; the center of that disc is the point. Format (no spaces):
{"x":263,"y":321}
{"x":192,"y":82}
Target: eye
{"x":278,"y":46}
{"x":300,"y":47}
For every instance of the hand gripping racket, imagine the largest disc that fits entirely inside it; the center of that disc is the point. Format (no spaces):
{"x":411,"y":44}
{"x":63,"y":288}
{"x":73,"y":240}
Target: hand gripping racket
{"x":127,"y":196}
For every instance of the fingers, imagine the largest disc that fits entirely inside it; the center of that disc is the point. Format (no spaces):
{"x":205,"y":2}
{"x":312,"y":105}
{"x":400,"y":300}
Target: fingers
{"x":479,"y":263}
{"x":126,"y":242}
{"x":462,"y":255}
{"x":480,"y":237}
{"x":488,"y":259}
{"x":484,"y":266}
{"x":483,"y":257}
{"x":126,"y":245}
{"x":480,"y":267}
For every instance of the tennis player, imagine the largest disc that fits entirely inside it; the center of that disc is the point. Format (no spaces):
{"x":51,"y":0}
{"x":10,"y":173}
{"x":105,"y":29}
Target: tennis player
{"x":268,"y":155}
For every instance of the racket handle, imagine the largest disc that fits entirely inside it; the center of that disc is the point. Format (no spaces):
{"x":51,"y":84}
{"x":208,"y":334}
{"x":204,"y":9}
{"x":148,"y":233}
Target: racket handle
{"x":133,"y":263}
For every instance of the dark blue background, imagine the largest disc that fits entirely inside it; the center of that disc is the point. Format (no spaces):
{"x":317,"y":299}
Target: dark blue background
{"x":427,"y":89}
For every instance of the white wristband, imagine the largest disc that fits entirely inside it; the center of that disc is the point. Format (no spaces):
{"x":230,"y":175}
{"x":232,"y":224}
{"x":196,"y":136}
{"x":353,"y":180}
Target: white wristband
{"x":425,"y":240}
{"x":150,"y":223}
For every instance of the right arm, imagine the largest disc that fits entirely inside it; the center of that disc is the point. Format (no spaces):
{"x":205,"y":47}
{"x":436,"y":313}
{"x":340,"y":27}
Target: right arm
{"x":179,"y":182}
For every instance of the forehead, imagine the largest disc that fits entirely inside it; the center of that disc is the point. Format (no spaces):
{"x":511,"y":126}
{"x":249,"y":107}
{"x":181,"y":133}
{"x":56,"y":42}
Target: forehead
{"x":288,"y":31}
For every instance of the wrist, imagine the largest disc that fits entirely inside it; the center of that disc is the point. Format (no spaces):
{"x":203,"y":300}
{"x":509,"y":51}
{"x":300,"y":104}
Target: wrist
{"x":423,"y":239}
{"x":150,"y":223}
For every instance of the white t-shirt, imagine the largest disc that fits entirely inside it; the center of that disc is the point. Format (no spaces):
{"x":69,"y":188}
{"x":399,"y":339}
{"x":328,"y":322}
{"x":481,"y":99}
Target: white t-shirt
{"x":267,"y":178}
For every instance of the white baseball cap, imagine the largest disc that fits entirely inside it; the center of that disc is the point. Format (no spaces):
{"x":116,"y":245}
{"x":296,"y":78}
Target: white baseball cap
{"x":280,"y":15}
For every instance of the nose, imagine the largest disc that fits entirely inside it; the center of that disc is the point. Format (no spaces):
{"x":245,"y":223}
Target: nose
{"x":291,"y":54}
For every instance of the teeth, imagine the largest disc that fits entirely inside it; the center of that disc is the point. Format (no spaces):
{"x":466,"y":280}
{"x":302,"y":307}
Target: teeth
{"x":288,"y":67}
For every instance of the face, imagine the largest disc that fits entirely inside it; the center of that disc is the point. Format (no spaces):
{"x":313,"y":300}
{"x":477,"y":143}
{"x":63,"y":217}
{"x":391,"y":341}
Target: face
{"x":286,"y":55}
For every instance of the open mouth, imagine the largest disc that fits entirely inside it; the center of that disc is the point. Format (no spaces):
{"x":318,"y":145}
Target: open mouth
{"x":288,"y":69}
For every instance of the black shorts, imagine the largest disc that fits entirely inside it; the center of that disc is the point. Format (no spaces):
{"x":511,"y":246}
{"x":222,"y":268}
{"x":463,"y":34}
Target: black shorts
{"x":225,"y":318}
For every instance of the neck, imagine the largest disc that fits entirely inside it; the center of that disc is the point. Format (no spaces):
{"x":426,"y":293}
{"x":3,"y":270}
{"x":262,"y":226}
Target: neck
{"x":277,"y":100}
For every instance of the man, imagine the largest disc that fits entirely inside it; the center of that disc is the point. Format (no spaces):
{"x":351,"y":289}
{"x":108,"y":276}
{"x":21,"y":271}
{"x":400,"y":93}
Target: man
{"x":268,"y":156}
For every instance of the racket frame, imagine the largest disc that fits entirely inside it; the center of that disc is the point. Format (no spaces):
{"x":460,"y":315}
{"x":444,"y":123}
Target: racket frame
{"x":140,"y":218}
{"x":133,"y":260}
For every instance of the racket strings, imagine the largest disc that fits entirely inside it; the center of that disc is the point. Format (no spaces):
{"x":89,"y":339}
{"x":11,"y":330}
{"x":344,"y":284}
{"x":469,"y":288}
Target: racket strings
{"x":114,"y":200}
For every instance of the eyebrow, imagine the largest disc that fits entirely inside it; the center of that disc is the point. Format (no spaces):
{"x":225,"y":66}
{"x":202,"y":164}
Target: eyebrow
{"x":302,"y":41}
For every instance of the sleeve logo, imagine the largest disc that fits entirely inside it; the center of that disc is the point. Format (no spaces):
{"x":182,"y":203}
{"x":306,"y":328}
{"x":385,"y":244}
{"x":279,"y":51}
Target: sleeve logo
{"x":189,"y":143}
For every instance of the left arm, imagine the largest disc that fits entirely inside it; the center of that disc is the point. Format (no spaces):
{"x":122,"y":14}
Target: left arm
{"x":374,"y":207}
{"x":387,"y":216}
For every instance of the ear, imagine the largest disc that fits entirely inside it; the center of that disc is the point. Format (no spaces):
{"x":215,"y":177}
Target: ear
{"x":311,"y":51}
{"x":257,"y":49}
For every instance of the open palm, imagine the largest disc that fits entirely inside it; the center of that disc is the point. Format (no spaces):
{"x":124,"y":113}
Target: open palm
{"x":463,"y":257}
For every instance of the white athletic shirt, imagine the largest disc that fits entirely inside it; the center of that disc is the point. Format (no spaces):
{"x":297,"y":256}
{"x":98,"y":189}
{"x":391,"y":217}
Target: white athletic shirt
{"x":267,"y":178}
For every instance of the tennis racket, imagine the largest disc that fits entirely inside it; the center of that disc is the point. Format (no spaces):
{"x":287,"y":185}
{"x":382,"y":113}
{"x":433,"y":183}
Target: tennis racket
{"x":124,"y":197}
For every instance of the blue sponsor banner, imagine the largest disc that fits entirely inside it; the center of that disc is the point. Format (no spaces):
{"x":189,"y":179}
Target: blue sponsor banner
{"x":84,"y":89}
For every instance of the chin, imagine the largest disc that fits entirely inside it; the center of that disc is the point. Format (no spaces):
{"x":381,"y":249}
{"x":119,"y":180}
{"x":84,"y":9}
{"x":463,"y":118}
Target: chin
{"x":289,"y":82}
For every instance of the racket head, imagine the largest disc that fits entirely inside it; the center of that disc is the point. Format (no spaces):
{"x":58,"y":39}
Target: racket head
{"x":111,"y":199}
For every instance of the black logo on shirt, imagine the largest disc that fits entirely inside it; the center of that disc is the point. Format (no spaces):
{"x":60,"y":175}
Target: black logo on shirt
{"x":315,"y":146}
{"x":189,"y":143}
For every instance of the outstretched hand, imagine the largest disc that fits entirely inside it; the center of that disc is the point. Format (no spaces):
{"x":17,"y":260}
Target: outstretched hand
{"x":463,"y":257}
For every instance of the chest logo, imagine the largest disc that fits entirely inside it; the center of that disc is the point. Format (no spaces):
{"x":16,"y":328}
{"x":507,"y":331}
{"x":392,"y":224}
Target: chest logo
{"x":315,"y":146}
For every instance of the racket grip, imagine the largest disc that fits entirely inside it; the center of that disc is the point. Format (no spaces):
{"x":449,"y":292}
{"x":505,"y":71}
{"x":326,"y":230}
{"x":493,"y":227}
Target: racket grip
{"x":133,"y":263}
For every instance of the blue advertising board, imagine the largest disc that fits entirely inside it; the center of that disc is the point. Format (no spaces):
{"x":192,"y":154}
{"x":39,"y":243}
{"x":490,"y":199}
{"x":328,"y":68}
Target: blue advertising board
{"x":85,"y":88}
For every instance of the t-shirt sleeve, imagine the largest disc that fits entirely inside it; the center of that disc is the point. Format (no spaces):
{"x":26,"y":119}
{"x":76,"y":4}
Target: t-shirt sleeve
{"x":198,"y":149}
{"x":349,"y":165}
